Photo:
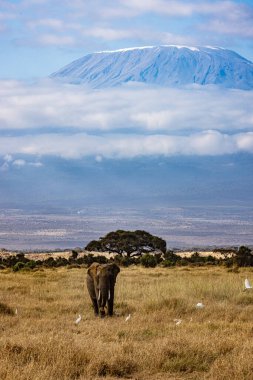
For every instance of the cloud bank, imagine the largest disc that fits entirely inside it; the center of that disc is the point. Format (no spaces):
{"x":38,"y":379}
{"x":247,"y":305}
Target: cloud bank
{"x":69,"y":121}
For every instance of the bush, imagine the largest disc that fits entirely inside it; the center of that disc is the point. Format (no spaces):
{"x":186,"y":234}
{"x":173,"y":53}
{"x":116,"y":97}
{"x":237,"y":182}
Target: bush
{"x":50,"y":262}
{"x":126,"y":261}
{"x":101,"y":259}
{"x":74,"y":254}
{"x":244,"y":257}
{"x":18,"y":266}
{"x":61,"y":262}
{"x":168,"y":263}
{"x":171,"y":256}
{"x":21,"y":257}
{"x":88,"y":259}
{"x":148,"y":261}
{"x":30,"y":264}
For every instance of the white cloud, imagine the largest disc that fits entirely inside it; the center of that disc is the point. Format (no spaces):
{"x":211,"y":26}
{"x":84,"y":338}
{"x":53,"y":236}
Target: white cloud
{"x":126,"y":146}
{"x":245,"y":141}
{"x":52,"y":23}
{"x":71,"y":121}
{"x":53,"y":39}
{"x":243,"y":28}
{"x":8,"y":158}
{"x":19,"y":163}
{"x":35,"y":164}
{"x":182,"y":8}
{"x":108,"y":34}
{"x":88,"y":24}
{"x":133,"y":107}
{"x":178,"y":8}
{"x":99,"y":158}
{"x":231,"y":19}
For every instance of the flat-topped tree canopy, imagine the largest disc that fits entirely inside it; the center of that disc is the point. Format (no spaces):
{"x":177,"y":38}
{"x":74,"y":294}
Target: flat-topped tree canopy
{"x":127,"y":242}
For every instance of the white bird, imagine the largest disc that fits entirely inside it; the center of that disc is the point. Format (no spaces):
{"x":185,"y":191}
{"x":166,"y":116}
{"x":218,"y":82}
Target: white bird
{"x":178,"y":321}
{"x":247,"y":284}
{"x":128,"y":317}
{"x":200,"y":305}
{"x":16,"y":311}
{"x":78,"y":320}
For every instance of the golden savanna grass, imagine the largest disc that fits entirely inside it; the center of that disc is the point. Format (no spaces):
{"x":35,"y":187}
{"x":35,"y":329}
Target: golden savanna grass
{"x":42,"y":342}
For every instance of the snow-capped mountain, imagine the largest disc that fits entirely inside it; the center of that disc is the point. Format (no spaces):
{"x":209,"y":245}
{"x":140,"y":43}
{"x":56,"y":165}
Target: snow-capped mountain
{"x":168,"y":65}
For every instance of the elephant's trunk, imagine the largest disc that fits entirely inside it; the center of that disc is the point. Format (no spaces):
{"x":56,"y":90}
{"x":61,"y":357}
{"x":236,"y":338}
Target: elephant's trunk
{"x":104,"y":297}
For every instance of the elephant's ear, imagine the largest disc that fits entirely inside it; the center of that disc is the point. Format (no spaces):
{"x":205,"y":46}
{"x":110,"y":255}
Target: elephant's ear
{"x":93,"y":269}
{"x":116,"y":271}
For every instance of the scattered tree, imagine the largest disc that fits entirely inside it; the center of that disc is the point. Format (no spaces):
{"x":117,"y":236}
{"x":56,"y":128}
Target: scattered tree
{"x":128,"y":242}
{"x":244,"y":257}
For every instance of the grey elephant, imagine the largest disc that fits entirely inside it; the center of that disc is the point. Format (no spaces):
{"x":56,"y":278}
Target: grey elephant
{"x":101,"y":279}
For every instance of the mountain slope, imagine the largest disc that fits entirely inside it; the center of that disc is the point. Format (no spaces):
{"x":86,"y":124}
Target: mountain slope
{"x":161,"y":65}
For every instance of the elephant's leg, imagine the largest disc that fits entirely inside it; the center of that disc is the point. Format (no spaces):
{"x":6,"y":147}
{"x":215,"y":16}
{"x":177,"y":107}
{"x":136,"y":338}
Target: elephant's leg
{"x":101,"y":307}
{"x":111,"y":301}
{"x":92,"y":293}
{"x":95,"y":305}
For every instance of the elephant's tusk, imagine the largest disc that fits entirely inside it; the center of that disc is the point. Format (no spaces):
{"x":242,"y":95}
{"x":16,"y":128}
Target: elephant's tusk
{"x":109,"y":294}
{"x":99,"y":294}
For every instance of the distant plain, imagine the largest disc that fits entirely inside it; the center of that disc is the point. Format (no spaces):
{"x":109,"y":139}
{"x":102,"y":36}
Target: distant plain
{"x":182,"y":227}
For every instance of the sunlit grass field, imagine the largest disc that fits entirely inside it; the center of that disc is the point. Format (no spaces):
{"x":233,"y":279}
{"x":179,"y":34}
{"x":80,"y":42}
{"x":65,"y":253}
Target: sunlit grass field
{"x":39,"y":339}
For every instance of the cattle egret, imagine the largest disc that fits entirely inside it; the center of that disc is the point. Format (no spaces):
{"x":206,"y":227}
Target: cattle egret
{"x":200,"y":305}
{"x":78,"y":320}
{"x":247,"y":284}
{"x":16,"y":311}
{"x":128,"y":317}
{"x":178,"y":321}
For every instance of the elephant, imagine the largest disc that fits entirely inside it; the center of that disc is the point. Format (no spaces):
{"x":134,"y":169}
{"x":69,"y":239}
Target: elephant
{"x":101,"y":279}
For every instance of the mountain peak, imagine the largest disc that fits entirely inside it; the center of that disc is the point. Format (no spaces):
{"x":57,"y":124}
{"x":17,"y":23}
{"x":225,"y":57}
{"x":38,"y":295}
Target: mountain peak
{"x":150,"y":47}
{"x":164,"y":65}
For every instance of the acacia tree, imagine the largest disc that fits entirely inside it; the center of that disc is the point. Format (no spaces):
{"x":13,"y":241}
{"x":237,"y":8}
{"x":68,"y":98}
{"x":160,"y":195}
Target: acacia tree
{"x":244,"y":257}
{"x":127,"y":242}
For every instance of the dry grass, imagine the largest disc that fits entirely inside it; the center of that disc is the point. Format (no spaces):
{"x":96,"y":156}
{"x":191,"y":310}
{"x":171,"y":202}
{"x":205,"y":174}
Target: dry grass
{"x":42,"y":341}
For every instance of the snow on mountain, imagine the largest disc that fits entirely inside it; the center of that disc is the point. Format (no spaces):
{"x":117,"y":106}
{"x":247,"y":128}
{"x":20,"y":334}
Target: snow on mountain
{"x":168,"y":65}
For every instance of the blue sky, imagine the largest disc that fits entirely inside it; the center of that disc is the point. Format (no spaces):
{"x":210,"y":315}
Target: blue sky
{"x":47,"y":127}
{"x":39,"y":36}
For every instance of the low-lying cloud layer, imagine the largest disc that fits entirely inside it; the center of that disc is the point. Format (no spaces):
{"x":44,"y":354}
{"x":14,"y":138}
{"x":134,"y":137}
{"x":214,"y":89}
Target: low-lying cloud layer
{"x":70,"y":121}
{"x":81,"y":145}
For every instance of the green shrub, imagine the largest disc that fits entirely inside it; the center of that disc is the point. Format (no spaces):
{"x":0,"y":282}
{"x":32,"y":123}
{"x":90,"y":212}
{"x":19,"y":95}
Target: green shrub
{"x":88,"y":259}
{"x":101,"y":259}
{"x":171,"y":256}
{"x":244,"y":257}
{"x":61,"y":262}
{"x":74,"y":254}
{"x":168,"y":263}
{"x":148,"y":261}
{"x":50,"y":262}
{"x":30,"y":264}
{"x":19,"y":265}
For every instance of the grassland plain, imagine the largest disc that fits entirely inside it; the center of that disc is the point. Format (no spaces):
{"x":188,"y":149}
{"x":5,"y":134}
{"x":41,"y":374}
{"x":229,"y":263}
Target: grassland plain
{"x":40,"y":341}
